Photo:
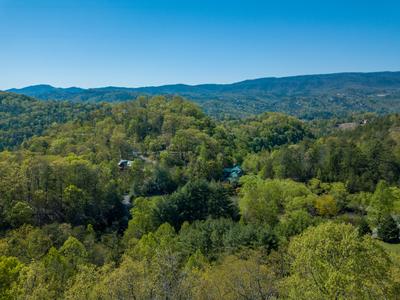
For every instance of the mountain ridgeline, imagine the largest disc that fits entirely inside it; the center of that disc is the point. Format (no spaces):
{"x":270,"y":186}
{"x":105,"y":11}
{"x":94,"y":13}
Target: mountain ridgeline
{"x":306,"y":97}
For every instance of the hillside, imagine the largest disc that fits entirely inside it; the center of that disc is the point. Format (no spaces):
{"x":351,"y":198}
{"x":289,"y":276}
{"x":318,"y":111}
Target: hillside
{"x":308,"y":97}
{"x":203,"y":204}
{"x":22,"y":117}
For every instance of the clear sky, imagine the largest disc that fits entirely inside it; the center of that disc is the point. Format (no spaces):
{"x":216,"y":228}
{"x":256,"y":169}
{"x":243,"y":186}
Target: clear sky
{"x":92,"y":43}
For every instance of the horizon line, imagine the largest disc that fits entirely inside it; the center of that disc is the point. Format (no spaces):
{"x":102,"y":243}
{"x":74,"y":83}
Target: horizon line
{"x":195,"y":84}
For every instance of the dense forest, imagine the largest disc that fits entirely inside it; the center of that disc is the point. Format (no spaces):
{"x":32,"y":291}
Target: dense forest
{"x":306,"y":97}
{"x":154,"y":199}
{"x":22,"y":117}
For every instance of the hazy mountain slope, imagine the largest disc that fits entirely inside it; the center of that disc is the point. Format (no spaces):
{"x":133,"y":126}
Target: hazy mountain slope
{"x":310,"y":96}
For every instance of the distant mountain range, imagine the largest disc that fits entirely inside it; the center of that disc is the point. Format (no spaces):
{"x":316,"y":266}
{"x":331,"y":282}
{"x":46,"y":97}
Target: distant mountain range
{"x":308,"y":96}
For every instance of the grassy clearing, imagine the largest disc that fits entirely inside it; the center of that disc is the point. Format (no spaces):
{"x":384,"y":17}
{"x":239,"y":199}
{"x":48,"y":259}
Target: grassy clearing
{"x":393,"y":250}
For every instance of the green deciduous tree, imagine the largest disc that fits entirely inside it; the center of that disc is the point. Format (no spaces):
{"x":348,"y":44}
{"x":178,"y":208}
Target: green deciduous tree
{"x":10,"y":268}
{"x":329,"y":262}
{"x":262,"y":201}
{"x":74,"y":252}
{"x":381,"y":203}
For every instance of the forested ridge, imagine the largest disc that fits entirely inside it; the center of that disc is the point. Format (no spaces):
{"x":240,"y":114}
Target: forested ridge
{"x":312,"y":212}
{"x":307,"y":97}
{"x":22,"y":117}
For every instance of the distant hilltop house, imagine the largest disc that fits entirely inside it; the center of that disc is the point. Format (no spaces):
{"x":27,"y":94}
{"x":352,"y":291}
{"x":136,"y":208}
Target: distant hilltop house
{"x":348,"y":126}
{"x":232,"y":174}
{"x":352,"y":125}
{"x":124,"y":163}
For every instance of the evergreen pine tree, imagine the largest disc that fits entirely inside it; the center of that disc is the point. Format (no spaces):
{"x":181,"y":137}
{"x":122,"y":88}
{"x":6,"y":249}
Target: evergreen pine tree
{"x":388,"y":230}
{"x":363,"y":227}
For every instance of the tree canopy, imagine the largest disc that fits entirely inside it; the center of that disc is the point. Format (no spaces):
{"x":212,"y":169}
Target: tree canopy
{"x":305,"y":218}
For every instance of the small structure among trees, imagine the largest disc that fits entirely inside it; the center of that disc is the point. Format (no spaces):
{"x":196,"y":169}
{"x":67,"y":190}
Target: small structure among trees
{"x":232,"y":174}
{"x":124,"y":164}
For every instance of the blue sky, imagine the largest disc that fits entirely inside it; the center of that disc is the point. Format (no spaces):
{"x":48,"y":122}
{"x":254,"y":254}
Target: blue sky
{"x":91,"y":43}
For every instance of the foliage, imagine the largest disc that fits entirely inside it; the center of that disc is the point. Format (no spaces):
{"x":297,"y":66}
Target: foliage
{"x":262,"y":201}
{"x":197,"y":200}
{"x":357,"y":159}
{"x":10,"y":267}
{"x":73,"y":225}
{"x":237,"y":277}
{"x":326,"y":205}
{"x":328,"y":261}
{"x":388,"y":230}
{"x":308,"y":97}
{"x":22,"y":117}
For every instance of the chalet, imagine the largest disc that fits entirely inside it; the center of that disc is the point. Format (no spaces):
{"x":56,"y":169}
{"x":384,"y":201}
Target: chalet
{"x":124,"y":163}
{"x":348,"y":126}
{"x":352,"y":125}
{"x":232,"y":174}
